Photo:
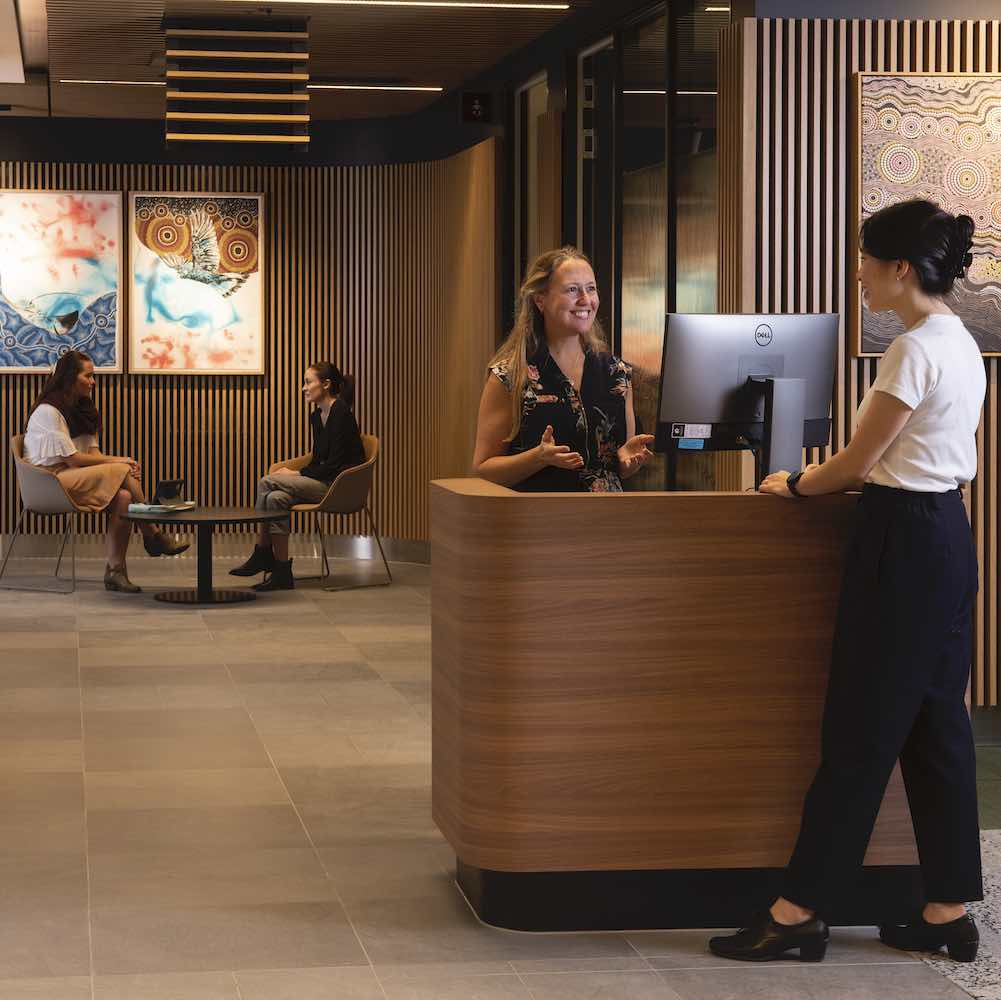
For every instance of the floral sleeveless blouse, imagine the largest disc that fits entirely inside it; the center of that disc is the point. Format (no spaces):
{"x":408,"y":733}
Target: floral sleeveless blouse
{"x":592,"y":422}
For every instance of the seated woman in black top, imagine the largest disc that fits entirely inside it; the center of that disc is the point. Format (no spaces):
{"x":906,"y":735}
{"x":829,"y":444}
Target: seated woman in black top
{"x":557,"y":410}
{"x":337,"y":446}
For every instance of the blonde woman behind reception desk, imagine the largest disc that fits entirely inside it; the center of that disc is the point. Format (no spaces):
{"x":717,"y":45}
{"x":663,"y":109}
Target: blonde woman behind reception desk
{"x":902,"y":646}
{"x":556,"y":412}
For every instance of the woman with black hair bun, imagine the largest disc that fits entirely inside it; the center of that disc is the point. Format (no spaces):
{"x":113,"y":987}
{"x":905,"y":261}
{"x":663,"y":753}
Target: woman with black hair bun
{"x":903,"y":641}
{"x":337,"y":446}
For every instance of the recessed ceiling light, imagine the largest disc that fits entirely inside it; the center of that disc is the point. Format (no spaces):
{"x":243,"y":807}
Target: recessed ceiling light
{"x":717,"y":10}
{"x":680,"y":93}
{"x":491,"y":4}
{"x":369,"y":86}
{"x":122,"y":83}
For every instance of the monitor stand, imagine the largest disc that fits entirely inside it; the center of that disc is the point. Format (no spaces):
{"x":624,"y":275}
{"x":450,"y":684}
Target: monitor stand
{"x":785,"y":416}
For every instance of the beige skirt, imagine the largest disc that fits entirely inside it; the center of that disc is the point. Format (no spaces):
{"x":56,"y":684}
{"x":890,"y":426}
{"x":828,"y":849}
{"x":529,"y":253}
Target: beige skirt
{"x":91,"y":487}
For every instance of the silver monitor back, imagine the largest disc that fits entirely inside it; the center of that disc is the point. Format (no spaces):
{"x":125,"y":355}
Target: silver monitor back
{"x":708,"y":359}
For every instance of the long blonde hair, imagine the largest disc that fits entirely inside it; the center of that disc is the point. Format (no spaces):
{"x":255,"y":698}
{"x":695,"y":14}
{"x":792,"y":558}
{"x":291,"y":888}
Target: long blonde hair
{"x":529,"y":330}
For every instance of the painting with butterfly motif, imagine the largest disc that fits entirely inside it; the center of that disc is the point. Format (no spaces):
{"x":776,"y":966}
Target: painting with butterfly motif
{"x":197,"y":293}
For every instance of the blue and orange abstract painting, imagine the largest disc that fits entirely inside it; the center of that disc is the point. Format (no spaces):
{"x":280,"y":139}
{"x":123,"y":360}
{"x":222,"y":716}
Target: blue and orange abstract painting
{"x":196,"y":292}
{"x":60,"y":267}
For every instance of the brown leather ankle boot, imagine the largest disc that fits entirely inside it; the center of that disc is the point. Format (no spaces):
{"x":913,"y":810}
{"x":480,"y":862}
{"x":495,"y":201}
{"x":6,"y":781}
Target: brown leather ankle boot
{"x":118,"y":580}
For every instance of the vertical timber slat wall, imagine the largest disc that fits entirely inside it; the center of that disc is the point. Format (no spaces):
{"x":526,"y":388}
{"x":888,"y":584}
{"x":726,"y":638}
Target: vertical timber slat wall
{"x":769,"y":259}
{"x":356,"y":273}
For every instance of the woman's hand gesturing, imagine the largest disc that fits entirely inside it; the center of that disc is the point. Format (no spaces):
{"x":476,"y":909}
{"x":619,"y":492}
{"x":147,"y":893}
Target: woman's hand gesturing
{"x":635,"y":453}
{"x":558,"y":455}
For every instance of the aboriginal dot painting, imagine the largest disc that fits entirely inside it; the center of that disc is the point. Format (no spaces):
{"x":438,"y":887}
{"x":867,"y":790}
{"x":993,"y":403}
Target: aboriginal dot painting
{"x":937,"y":137}
{"x":197,"y":293}
{"x":60,"y":265}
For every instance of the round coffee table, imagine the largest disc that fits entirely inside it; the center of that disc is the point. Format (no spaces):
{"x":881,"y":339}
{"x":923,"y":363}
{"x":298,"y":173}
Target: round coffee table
{"x":205,"y":519}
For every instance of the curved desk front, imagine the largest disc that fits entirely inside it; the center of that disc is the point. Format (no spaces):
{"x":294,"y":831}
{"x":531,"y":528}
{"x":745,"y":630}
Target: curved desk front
{"x":626,"y":704}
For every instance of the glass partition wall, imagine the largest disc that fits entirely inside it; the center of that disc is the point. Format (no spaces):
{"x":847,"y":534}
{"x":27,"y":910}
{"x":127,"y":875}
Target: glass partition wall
{"x":640,"y":197}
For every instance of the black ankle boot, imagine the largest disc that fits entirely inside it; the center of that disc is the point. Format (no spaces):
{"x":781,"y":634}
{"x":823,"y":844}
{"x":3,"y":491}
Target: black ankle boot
{"x":262,"y":561}
{"x":280,"y":578}
{"x":959,"y":936}
{"x":765,"y":940}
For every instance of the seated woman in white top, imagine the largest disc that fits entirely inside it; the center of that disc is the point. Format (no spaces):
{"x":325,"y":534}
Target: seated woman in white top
{"x":62,"y":436}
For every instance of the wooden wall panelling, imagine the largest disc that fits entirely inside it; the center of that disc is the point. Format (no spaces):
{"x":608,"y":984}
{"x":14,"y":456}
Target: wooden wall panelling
{"x":799,"y":146}
{"x":358,"y":274}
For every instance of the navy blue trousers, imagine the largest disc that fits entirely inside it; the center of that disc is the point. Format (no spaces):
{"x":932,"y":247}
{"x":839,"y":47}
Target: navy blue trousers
{"x":899,"y":672}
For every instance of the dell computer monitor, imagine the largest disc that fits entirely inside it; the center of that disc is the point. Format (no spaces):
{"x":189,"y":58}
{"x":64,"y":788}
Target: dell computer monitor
{"x":715,"y":368}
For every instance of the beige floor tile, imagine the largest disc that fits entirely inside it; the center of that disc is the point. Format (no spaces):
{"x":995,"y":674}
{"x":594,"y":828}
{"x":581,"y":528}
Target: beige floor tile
{"x":60,"y":725}
{"x":154,"y":673}
{"x":186,"y":789}
{"x":234,"y":827}
{"x":221,"y":751}
{"x":43,"y":639}
{"x":38,"y":756}
{"x":195,"y":633}
{"x":42,"y":813}
{"x":44,"y":940}
{"x":288,"y":670}
{"x":40,"y":699}
{"x":394,"y":870}
{"x":25,"y":673}
{"x":50,"y":988}
{"x":144,"y":655}
{"x":17,"y":620}
{"x":376,"y":651}
{"x":173,"y":875}
{"x":344,"y":983}
{"x":385,"y":633}
{"x":177,"y":986}
{"x":541,"y":966}
{"x":130,"y":940}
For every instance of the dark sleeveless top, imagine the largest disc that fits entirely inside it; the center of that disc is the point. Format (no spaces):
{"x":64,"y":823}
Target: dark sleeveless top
{"x":592,"y":422}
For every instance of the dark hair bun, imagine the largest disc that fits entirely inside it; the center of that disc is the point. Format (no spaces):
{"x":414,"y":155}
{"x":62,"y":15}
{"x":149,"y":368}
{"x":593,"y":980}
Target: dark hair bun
{"x":934,"y":242}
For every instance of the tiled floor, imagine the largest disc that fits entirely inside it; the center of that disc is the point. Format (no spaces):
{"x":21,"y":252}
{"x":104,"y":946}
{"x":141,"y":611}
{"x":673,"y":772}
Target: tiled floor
{"x":233,"y":804}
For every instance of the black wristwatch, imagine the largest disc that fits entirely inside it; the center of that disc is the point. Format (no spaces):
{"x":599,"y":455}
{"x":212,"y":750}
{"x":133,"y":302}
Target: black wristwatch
{"x":792,"y":483}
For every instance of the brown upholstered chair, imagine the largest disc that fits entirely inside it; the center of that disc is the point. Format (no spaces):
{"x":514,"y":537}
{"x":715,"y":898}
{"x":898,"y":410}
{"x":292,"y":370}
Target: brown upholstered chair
{"x":43,"y":494}
{"x":349,"y":493}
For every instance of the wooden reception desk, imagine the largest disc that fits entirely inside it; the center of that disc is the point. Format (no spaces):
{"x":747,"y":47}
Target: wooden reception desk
{"x":626,"y":704}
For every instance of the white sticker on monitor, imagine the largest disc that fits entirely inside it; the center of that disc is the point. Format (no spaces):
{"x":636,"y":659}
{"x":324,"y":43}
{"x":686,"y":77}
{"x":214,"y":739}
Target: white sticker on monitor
{"x":698,"y":431}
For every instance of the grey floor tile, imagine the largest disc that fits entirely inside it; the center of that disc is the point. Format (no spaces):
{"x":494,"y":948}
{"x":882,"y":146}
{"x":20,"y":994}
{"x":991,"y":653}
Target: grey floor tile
{"x":688,"y":949}
{"x":172,"y":876}
{"x":235,"y":827}
{"x":184,"y":789}
{"x":443,"y":929}
{"x":794,"y":981}
{"x":340,"y":983}
{"x":176,"y":986}
{"x":630,"y":963}
{"x":989,"y":762}
{"x":130,"y":940}
{"x":49,"y":988}
{"x":599,"y":986}
{"x":497,"y":987}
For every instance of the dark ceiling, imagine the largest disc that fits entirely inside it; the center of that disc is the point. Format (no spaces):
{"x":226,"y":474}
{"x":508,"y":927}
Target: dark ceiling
{"x":419,"y":46}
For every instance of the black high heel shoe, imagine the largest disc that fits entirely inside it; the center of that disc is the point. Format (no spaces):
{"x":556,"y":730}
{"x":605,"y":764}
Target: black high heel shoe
{"x":766,"y":940}
{"x":959,"y":937}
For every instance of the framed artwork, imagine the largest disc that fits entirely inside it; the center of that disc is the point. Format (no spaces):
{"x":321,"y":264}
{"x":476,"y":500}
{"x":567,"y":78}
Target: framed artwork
{"x":196,"y":289}
{"x":935,"y":136}
{"x":60,"y":271}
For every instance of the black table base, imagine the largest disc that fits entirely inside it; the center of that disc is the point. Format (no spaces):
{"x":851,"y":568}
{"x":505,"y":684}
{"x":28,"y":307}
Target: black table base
{"x":212,"y":597}
{"x":662,"y":900}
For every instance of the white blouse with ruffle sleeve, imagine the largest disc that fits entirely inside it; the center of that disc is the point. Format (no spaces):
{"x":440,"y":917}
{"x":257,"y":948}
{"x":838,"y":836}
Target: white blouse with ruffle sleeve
{"x":47,"y":438}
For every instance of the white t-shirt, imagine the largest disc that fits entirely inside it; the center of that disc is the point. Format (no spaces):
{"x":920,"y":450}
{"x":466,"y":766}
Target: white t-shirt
{"x":47,"y":438}
{"x":937,"y":370}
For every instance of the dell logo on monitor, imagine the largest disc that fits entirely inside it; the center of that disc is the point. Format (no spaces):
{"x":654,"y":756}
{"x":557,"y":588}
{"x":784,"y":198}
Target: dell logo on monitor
{"x":763,"y":335}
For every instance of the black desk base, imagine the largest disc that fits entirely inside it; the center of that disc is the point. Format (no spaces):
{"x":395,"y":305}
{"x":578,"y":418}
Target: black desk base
{"x":664,"y":900}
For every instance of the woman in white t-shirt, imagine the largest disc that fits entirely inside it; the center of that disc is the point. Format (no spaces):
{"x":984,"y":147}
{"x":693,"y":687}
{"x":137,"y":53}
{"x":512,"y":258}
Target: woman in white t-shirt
{"x":903,"y":641}
{"x":62,"y":436}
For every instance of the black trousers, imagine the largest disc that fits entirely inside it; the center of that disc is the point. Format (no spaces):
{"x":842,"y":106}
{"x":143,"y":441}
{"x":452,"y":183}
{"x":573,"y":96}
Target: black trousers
{"x":900,"y":667}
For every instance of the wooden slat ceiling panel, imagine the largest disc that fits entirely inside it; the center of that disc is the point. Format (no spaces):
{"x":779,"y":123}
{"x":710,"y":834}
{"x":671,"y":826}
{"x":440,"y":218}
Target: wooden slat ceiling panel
{"x":123,"y":39}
